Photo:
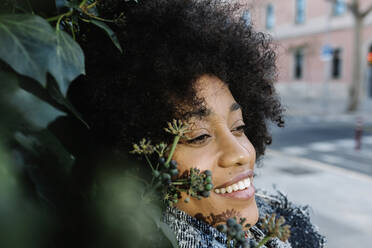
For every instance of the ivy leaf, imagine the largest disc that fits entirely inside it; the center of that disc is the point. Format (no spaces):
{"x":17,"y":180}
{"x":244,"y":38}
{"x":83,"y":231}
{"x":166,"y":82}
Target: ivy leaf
{"x":21,"y":105}
{"x":26,"y":41}
{"x":43,"y":145}
{"x":32,"y":48}
{"x":56,"y":94}
{"x":109,"y":32}
{"x":167,"y":231}
{"x":49,"y":165}
{"x":37,"y":112}
{"x":68,"y":61}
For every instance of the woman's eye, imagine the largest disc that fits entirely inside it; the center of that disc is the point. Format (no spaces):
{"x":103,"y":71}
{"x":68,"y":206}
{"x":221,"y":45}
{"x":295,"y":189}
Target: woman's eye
{"x":198,"y":140}
{"x":240,"y":129}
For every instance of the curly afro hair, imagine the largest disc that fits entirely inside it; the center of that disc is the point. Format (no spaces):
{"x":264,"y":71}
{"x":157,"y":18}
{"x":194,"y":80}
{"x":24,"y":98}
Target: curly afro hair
{"x":168,"y":45}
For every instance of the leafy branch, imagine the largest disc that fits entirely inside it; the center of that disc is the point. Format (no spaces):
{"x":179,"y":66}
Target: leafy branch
{"x":237,"y":237}
{"x":31,"y":47}
{"x":166,"y":178}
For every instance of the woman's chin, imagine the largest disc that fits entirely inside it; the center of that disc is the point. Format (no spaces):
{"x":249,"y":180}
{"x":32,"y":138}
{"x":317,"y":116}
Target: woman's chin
{"x":251,"y":213}
{"x":216,"y":210}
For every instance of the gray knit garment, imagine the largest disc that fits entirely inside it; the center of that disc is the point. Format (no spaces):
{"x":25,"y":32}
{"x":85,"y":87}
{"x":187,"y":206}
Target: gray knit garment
{"x":193,"y":233}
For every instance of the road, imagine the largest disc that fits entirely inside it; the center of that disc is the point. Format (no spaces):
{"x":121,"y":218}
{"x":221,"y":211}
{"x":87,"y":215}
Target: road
{"x":314,"y":162}
{"x":331,"y":142}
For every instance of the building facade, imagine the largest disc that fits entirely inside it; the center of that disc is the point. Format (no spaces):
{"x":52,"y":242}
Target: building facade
{"x":315,"y":39}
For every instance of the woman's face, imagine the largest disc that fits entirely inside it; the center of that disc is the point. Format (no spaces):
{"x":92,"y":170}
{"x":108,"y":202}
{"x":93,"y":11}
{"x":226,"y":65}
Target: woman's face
{"x":217,"y":143}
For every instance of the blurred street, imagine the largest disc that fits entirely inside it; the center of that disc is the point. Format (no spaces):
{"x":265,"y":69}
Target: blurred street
{"x":314,"y":161}
{"x":330,"y":142}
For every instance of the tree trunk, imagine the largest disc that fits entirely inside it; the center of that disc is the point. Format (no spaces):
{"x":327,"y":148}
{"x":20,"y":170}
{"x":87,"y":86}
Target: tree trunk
{"x":355,"y":86}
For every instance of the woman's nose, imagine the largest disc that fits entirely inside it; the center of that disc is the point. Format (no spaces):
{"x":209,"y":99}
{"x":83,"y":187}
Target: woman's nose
{"x":236,"y":151}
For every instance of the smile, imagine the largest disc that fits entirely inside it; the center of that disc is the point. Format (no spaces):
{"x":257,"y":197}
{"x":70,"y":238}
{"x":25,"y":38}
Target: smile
{"x":241,"y":185}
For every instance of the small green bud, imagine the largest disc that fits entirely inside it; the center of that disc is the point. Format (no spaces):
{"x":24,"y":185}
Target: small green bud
{"x":173,"y":164}
{"x":206,"y":194}
{"x":174,"y":172}
{"x":208,"y":179}
{"x":222,"y":228}
{"x":231,"y":222}
{"x":242,"y":220}
{"x":240,"y":236}
{"x":162,"y":160}
{"x":237,"y":227}
{"x":231,"y":233}
{"x":208,"y":173}
{"x":175,"y":200}
{"x":156,"y":173}
{"x":209,"y":186}
{"x":166,"y":176}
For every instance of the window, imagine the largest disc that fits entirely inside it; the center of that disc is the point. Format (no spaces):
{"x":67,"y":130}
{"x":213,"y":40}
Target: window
{"x":336,"y":64}
{"x":247,"y":17}
{"x":300,"y":11}
{"x":298,"y":63}
{"x":270,"y":16}
{"x":339,"y":7}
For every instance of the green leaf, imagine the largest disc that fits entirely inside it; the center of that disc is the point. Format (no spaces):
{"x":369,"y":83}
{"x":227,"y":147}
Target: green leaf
{"x":56,"y":94}
{"x":109,"y":32}
{"x":26,"y":43}
{"x":22,"y":105}
{"x":49,"y":166}
{"x":9,"y":81}
{"x":168,"y":233}
{"x":43,"y":145}
{"x":38,"y":106}
{"x":32,"y":48}
{"x":38,"y":112}
{"x":68,"y":62}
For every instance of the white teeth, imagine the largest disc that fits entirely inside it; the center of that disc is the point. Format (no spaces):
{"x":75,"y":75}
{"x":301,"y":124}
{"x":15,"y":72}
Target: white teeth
{"x":241,"y":185}
{"x":235,"y":187}
{"x":247,"y":182}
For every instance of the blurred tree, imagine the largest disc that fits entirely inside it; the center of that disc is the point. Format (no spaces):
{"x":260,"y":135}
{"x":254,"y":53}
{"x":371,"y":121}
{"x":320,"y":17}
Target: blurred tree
{"x":359,"y":15}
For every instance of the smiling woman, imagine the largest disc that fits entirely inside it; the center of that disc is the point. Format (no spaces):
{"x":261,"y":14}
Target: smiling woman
{"x":197,"y":61}
{"x":217,"y":142}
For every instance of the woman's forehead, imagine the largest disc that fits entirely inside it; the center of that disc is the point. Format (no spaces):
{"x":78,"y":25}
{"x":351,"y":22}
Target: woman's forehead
{"x":209,"y":85}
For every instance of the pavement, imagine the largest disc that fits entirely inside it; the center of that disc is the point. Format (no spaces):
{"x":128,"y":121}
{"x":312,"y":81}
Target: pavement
{"x":310,"y":103}
{"x":340,"y":198}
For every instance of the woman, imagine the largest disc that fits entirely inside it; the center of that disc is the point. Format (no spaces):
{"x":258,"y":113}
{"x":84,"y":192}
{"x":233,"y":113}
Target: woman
{"x":196,"y":61}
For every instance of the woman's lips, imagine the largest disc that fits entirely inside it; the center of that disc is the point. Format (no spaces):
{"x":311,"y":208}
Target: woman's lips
{"x":241,"y":194}
{"x":240,"y":187}
{"x":241,"y":176}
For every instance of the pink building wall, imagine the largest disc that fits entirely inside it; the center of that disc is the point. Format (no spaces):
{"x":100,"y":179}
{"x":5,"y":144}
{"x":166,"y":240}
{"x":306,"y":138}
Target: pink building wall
{"x":320,"y":28}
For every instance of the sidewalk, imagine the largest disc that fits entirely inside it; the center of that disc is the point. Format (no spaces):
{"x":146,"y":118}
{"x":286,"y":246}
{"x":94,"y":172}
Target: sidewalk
{"x":305,"y":100}
{"x":341,"y":200}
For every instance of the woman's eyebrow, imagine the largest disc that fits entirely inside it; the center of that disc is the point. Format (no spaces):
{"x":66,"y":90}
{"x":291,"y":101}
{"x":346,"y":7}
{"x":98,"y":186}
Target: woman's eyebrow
{"x":235,"y":106}
{"x":204,"y":112}
{"x":200,"y":113}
